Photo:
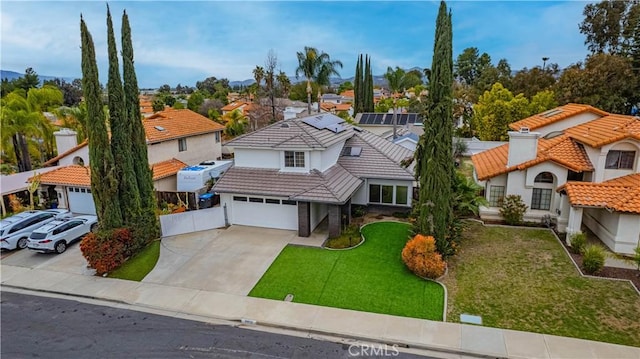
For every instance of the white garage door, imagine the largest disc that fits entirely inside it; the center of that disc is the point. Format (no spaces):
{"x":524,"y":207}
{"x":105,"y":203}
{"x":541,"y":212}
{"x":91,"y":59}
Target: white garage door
{"x":265,"y":212}
{"x":81,"y":200}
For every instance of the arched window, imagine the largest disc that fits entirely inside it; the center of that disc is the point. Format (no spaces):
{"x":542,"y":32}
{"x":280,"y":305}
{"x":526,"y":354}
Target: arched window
{"x":544,"y":177}
{"x":78,"y":161}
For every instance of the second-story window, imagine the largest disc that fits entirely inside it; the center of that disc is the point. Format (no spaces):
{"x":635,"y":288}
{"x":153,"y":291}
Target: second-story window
{"x":620,"y":159}
{"x":294,"y":159}
{"x":182,"y":145}
{"x":217,"y":137}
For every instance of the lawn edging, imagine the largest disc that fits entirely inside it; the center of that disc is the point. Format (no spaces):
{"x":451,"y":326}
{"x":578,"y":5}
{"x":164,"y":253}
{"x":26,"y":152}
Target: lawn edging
{"x":563,"y":247}
{"x":324,"y":246}
{"x":444,"y":287}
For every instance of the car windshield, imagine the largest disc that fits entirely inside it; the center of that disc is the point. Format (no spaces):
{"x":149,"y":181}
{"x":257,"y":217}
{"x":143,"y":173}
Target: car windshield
{"x":38,"y":235}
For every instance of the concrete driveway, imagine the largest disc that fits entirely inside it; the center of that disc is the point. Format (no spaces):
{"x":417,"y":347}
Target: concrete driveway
{"x":71,"y":261}
{"x":228,"y":260}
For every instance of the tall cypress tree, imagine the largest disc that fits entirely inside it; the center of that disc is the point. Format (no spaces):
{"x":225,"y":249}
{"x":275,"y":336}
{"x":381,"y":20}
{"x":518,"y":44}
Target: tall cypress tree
{"x":434,"y":167}
{"x":121,"y":136}
{"x":368,"y":87}
{"x":144,"y":176}
{"x":104,"y":184}
{"x":357,"y":87}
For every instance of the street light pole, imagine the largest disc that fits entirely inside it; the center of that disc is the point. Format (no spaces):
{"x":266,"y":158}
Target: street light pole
{"x":544,"y":62}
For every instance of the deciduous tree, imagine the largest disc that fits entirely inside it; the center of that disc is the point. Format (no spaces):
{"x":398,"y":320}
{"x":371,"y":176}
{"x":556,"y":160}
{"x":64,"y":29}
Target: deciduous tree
{"x":495,"y":110}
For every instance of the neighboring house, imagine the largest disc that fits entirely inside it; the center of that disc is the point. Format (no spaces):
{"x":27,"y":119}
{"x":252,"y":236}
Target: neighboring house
{"x":236,"y":105}
{"x":72,"y":184}
{"x":572,"y":169}
{"x":175,"y":139}
{"x":408,"y":140}
{"x":294,"y":173}
{"x":382,"y":123}
{"x":331,"y":98}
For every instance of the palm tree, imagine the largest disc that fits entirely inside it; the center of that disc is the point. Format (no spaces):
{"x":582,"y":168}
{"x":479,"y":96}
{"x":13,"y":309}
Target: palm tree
{"x":22,"y":119}
{"x":74,"y":118}
{"x":398,"y":81}
{"x":258,"y":75}
{"x":236,"y":123}
{"x":316,"y":66}
{"x":284,"y":82}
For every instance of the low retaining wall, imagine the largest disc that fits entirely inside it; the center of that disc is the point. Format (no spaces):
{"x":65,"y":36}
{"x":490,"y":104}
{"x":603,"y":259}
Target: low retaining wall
{"x":192,"y":221}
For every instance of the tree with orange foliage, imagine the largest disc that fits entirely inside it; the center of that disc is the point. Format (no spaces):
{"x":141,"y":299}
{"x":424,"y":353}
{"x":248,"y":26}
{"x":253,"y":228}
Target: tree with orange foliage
{"x":421,"y":257}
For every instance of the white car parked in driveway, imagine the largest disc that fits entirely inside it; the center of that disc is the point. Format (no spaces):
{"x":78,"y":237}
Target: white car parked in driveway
{"x":15,"y":230}
{"x":57,"y":235}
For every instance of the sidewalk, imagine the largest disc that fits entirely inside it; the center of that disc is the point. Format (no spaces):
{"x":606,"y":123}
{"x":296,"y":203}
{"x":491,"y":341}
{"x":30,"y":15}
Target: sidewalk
{"x":453,"y":340}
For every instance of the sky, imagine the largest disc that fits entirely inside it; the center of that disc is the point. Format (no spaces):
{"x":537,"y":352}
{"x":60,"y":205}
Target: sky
{"x":184,"y":42}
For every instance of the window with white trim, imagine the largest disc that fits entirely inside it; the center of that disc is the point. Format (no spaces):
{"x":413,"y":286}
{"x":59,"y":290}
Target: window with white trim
{"x":294,"y":159}
{"x":541,"y":199}
{"x":620,"y":160}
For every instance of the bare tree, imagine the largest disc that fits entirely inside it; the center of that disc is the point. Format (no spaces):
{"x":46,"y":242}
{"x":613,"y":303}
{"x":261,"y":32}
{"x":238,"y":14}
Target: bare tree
{"x":270,"y":66}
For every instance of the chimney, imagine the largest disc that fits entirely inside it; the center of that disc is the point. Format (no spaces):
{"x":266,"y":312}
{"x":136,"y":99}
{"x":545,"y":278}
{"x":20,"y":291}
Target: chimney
{"x":65,"y":140}
{"x":523,"y":146}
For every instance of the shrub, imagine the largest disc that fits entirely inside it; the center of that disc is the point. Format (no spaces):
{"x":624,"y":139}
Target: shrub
{"x":636,"y":256}
{"x":107,"y":250}
{"x":593,"y":259}
{"x":578,"y":241}
{"x":513,"y":209}
{"x":420,"y":256}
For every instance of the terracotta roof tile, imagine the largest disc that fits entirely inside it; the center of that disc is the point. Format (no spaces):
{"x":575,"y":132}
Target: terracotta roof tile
{"x":68,"y":176}
{"x":167,"y":168}
{"x":234,"y":105}
{"x":343,"y":107}
{"x":561,"y":150}
{"x":620,"y":194}
{"x":171,"y":124}
{"x":554,"y":115}
{"x":605,"y":130}
{"x":57,"y":158}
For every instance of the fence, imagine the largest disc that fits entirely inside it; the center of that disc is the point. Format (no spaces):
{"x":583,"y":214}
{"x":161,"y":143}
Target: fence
{"x":172,"y":197}
{"x":192,"y":221}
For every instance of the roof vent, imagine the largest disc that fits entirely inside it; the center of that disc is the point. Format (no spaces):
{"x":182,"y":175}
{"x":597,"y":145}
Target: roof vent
{"x":285,"y":125}
{"x":159,"y":128}
{"x":524,"y":129}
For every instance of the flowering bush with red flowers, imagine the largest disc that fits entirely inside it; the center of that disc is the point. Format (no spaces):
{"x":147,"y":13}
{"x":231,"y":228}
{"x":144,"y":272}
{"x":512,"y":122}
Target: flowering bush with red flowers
{"x":421,"y":257}
{"x":107,"y":250}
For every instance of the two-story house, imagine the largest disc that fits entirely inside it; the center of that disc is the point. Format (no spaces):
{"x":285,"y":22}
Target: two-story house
{"x":294,"y":173}
{"x":575,"y":164}
{"x":175,"y":139}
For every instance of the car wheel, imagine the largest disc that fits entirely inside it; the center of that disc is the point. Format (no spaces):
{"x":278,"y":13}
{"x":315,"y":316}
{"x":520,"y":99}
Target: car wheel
{"x":94,"y":228}
{"x":22,"y":243}
{"x":61,"y":247}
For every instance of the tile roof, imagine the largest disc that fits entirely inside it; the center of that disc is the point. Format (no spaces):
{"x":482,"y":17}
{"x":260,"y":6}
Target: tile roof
{"x":167,"y":168}
{"x":620,"y":194}
{"x":562,"y":150}
{"x":554,"y":115}
{"x":68,"y":176}
{"x":293,"y":134}
{"x":605,"y":130}
{"x":57,"y":158}
{"x":348,"y":94}
{"x":334,"y":185}
{"x":379,"y":158}
{"x":81,"y":176}
{"x":234,"y":105}
{"x":343,"y":107}
{"x":172,"y":124}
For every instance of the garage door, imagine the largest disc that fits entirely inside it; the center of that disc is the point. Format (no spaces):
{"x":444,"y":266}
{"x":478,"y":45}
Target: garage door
{"x":265,"y":212}
{"x":81,"y":200}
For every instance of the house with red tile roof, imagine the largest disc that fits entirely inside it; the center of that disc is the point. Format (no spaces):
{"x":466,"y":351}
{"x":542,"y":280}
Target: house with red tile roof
{"x":576,"y":164}
{"x":175,"y":139}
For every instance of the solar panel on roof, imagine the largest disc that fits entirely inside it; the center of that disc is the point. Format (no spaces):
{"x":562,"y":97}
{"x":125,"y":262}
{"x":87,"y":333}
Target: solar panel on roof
{"x":412,"y":117}
{"x":388,"y":119}
{"x":364,"y":118}
{"x":325,"y":121}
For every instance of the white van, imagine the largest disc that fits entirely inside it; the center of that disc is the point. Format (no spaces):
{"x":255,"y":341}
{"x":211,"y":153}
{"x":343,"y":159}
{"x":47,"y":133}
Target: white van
{"x":15,"y":230}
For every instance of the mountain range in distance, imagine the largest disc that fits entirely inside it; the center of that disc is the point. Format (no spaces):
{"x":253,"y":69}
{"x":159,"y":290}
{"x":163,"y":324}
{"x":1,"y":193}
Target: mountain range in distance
{"x":378,"y":80}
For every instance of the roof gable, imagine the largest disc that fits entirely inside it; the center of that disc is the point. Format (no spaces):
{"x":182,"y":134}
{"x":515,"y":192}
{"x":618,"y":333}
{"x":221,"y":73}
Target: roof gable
{"x":555,"y":115}
{"x":606,"y":130}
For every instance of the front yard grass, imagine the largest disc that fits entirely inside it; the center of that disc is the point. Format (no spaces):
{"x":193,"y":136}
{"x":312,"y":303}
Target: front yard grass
{"x":370,"y":278}
{"x":140,"y":265}
{"x":522,"y":279}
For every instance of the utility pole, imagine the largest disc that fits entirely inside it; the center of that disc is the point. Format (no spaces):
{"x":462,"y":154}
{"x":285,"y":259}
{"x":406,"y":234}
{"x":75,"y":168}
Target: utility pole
{"x":544,"y":62}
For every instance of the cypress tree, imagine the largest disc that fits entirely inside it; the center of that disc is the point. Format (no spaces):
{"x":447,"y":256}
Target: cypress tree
{"x":357,"y":87}
{"x":104,"y":185}
{"x":121,"y":136}
{"x":144,"y":176}
{"x":434,"y":167}
{"x":368,"y":85}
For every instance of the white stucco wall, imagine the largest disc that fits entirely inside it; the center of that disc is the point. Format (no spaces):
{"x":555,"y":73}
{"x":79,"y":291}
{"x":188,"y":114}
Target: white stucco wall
{"x":199,"y":148}
{"x":256,"y":158}
{"x":619,"y":231}
{"x":318,"y":213}
{"x":566,"y":123}
{"x":621,"y":146}
{"x":361,"y":196}
{"x":394,"y":183}
{"x":329,"y":157}
{"x":166,"y":184}
{"x":71,"y":158}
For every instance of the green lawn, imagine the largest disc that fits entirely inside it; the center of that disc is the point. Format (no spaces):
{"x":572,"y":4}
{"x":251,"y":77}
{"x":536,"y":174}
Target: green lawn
{"x":370,"y":278}
{"x":139,"y":266}
{"x":522,"y":279}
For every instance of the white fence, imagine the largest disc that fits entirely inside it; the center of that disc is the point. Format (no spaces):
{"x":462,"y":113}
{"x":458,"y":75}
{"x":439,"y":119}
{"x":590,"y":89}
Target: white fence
{"x":192,"y":221}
